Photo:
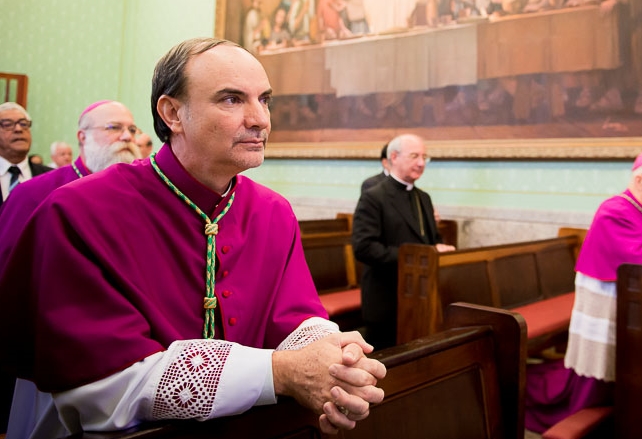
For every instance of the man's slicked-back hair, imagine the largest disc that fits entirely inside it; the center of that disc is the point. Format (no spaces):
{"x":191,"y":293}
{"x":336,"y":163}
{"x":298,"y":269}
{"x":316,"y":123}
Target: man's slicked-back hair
{"x":169,"y":75}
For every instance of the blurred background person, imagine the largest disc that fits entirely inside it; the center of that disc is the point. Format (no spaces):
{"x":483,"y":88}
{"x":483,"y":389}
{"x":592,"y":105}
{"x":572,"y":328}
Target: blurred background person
{"x":35,"y":159}
{"x":61,"y":154}
{"x":145,"y":145}
{"x":371,"y":181}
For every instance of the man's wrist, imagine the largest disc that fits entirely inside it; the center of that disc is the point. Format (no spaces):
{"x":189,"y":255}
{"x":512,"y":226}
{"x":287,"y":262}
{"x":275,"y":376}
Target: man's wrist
{"x":268,"y":395}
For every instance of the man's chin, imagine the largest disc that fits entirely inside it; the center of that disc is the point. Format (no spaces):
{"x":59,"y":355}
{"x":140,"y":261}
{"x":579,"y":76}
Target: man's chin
{"x":21,"y":146}
{"x":130,"y":151}
{"x":126,"y":156}
{"x":256,"y":158}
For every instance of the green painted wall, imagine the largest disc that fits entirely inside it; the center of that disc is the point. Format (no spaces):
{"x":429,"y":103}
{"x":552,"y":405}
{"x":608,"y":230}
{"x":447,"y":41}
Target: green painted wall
{"x":79,"y":51}
{"x":573,"y":186}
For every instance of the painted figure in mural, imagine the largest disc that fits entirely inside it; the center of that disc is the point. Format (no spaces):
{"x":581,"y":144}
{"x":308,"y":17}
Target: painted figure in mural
{"x":356,"y":17}
{"x":331,"y":24}
{"x":279,"y":34}
{"x":254,"y":27}
{"x":299,"y":21}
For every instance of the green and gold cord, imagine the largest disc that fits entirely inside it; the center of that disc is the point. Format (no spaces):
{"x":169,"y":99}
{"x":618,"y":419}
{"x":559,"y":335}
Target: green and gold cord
{"x":211,"y":230}
{"x":76,"y":170}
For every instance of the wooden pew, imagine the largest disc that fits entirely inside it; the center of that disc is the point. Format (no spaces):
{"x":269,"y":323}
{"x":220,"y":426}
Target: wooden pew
{"x":339,"y":224}
{"x":466,"y":382}
{"x":628,"y":352}
{"x":535,"y":278}
{"x":574,"y":231}
{"x":449,"y":231}
{"x":623,"y":420}
{"x":328,"y":252}
{"x":333,"y":267}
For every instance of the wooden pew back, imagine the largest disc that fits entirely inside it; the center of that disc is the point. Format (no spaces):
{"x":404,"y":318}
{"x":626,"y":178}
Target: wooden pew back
{"x":503,"y":276}
{"x":328,"y":251}
{"x":459,"y":384}
{"x":449,"y":231}
{"x":628,"y":355}
{"x":334,"y":271}
{"x":338,"y":224}
{"x":331,"y":260}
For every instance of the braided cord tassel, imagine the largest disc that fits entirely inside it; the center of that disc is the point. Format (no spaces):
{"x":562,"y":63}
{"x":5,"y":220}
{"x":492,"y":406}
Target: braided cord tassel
{"x":211,"y":230}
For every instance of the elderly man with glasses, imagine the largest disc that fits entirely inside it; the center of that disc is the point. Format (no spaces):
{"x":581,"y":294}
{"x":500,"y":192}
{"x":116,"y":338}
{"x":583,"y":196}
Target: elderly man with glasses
{"x":392,"y":212}
{"x":15,"y":143}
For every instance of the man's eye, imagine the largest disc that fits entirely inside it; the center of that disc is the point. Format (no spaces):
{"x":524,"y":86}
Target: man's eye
{"x":232,"y":100}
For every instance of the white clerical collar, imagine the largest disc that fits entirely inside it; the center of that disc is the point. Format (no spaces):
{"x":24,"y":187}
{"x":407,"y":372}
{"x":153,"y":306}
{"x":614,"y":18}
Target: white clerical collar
{"x":23,"y":165}
{"x":409,"y":186}
{"x":229,"y":187}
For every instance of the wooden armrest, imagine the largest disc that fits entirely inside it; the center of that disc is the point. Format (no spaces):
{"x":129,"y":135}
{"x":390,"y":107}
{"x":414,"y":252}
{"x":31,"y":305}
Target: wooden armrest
{"x":579,"y":424}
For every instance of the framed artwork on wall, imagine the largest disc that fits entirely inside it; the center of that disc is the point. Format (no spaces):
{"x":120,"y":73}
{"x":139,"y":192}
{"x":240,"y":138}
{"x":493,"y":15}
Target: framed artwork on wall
{"x":511,"y":80}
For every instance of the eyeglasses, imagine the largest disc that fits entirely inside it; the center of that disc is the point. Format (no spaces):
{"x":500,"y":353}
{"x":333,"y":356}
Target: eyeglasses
{"x":8,"y":124}
{"x":116,"y":128}
{"x":414,"y":156}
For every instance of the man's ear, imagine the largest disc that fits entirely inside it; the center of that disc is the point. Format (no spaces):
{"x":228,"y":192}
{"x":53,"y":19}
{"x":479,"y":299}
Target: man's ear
{"x":167,"y":108}
{"x":81,"y":136}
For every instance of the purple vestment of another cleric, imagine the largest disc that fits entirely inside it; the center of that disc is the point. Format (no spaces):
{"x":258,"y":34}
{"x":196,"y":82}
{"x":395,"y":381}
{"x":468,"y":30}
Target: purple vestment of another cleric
{"x":121,"y":270}
{"x":554,"y":391}
{"x":26,"y":197}
{"x":614,"y":238}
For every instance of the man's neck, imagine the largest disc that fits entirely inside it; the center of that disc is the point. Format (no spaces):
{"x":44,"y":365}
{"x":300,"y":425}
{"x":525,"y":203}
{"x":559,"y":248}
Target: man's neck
{"x":637,"y":193}
{"x":14,"y":159}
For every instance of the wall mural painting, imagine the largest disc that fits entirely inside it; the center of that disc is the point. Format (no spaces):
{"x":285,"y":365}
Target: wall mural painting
{"x":447,"y":69}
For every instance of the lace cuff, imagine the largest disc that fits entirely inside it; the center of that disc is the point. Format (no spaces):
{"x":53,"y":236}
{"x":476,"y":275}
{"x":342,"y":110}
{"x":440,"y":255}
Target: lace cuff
{"x":309,"y":331}
{"x":206,"y":379}
{"x":189,"y":383}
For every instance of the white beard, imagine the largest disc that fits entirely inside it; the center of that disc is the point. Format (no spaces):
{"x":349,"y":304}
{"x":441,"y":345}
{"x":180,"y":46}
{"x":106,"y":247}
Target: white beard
{"x":99,"y":157}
